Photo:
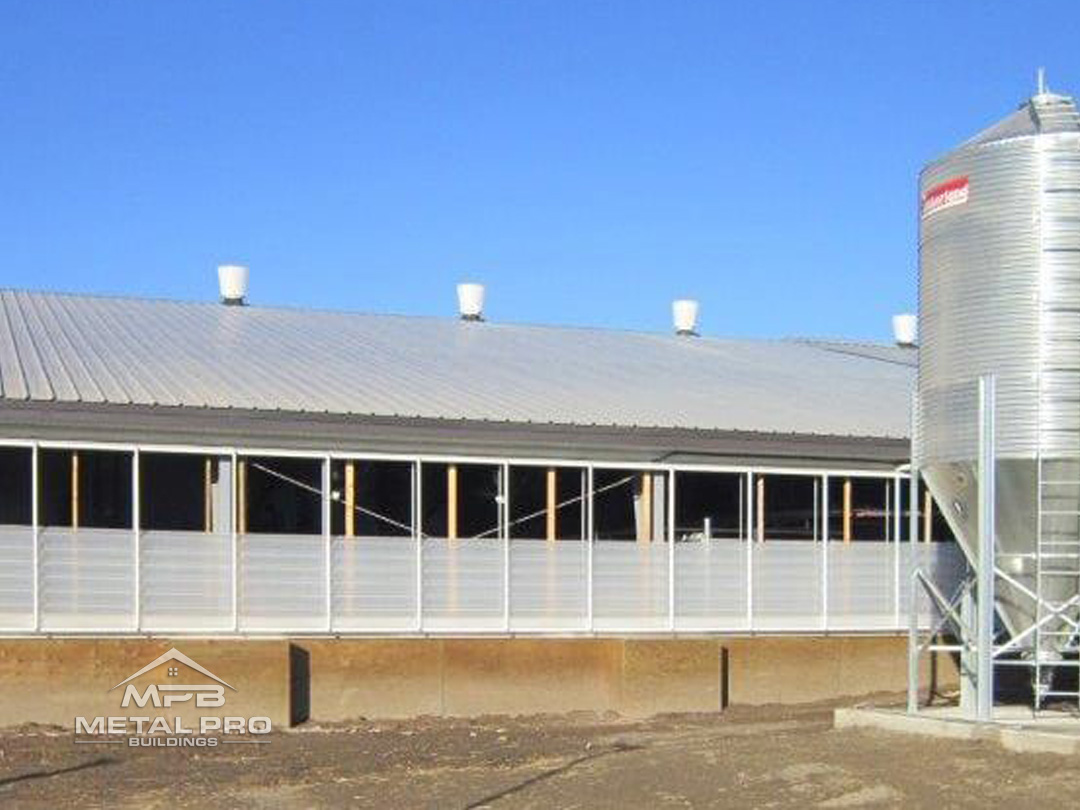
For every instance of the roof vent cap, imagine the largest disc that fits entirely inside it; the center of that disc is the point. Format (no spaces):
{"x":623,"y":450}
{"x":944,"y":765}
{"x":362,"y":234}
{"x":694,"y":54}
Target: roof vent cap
{"x":684,"y":314}
{"x":233,"y":283}
{"x":905,"y":329}
{"x":471,"y":301}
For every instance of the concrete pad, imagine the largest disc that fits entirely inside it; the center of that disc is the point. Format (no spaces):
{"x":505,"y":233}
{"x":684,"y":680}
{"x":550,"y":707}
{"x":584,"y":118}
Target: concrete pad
{"x":1015,"y":728}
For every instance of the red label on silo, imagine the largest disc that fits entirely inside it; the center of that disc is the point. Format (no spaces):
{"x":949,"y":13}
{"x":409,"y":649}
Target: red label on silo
{"x":945,"y":195}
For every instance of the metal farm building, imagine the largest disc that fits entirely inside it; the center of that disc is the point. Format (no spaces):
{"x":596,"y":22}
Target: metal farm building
{"x":457,"y":516}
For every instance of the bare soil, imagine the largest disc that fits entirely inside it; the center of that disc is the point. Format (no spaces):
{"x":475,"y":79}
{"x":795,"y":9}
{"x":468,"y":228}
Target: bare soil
{"x":774,"y":757}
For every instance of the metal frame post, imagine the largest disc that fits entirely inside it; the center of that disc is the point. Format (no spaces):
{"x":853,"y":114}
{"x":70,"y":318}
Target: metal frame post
{"x":234,"y":526}
{"x":504,"y":530}
{"x":328,"y":553}
{"x":589,"y":548}
{"x":824,"y":550}
{"x":36,"y":535}
{"x":750,"y":540}
{"x":418,"y":534}
{"x":671,"y":549}
{"x":913,"y":647}
{"x":987,"y":534}
{"x":136,"y":529}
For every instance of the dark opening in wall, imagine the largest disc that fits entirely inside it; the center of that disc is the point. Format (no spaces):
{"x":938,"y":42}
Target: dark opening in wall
{"x":475,"y":508}
{"x":380,"y":500}
{"x":283,"y":495}
{"x":940,"y":532}
{"x":173,"y":491}
{"x":85,"y":488}
{"x":709,"y":504}
{"x":790,"y":506}
{"x":629,"y":505}
{"x":870,"y":513}
{"x":16,"y":490}
{"x":533,"y":490}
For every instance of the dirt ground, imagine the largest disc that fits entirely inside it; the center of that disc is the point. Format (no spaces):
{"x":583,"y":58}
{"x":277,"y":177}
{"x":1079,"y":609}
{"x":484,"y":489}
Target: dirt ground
{"x":776,"y":757}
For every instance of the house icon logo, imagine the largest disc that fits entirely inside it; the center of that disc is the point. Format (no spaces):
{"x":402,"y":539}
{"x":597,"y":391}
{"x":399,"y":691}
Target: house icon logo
{"x":167,"y":694}
{"x":176,"y":700}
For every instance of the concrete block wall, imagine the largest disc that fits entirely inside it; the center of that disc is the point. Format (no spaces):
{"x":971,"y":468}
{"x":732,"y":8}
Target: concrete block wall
{"x":54,"y":680}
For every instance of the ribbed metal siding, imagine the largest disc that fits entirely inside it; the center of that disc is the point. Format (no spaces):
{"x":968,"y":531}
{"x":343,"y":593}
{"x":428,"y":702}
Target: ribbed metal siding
{"x":978,"y":298}
{"x":185,"y":580}
{"x":16,"y":577}
{"x":1000,"y":293}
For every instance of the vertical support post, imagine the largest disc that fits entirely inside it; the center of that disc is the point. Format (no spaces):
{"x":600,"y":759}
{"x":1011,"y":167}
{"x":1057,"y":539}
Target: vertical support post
{"x":825,"y":553}
{"x":591,"y":539}
{"x":136,"y":529}
{"x":237,"y":511}
{"x":208,"y":495}
{"x":645,"y":530}
{"x":418,"y":534}
{"x":551,"y":504}
{"x":898,"y":518}
{"x":847,"y":510}
{"x":35,"y":511}
{"x":760,"y":504}
{"x":671,"y":547}
{"x":987,"y":536}
{"x":928,"y":516}
{"x":913,"y":646}
{"x":328,"y":553}
{"x":74,"y":489}
{"x":748,"y":539}
{"x":452,"y":502}
{"x":241,"y":495}
{"x":504,"y":530}
{"x":913,"y":529}
{"x":350,"y":498}
{"x":742,"y":505}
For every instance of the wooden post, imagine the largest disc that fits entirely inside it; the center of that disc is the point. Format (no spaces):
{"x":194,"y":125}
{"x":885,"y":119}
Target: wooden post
{"x":350,"y":498}
{"x":241,"y":497}
{"x":74,"y":489}
{"x":208,"y":495}
{"x":452,"y":502}
{"x":928,"y":515}
{"x":646,"y":527}
{"x":759,"y":504}
{"x":552,"y":504}
{"x":847,"y":510}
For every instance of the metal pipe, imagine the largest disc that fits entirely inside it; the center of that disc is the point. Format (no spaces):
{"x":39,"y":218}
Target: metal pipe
{"x":987,"y":534}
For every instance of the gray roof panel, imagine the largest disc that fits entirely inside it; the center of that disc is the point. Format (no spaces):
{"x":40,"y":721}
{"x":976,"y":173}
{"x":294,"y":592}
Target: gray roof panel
{"x":73,"y":348}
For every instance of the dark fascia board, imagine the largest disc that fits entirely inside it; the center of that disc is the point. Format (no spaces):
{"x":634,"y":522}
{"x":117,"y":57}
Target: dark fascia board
{"x":334,"y":433}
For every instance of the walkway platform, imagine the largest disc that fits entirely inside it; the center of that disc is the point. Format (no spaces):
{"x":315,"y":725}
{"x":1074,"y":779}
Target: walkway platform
{"x":1015,"y":728}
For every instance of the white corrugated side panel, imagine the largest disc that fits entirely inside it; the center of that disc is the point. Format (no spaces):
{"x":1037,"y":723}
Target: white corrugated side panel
{"x":787,"y":585}
{"x":374,"y":583}
{"x":548,"y":585}
{"x":16,"y":578}
{"x":463,"y":584}
{"x":630,"y":585}
{"x":186,"y":581}
{"x":862,"y":585}
{"x":87,"y":579}
{"x":282,"y":582}
{"x":710,"y":585}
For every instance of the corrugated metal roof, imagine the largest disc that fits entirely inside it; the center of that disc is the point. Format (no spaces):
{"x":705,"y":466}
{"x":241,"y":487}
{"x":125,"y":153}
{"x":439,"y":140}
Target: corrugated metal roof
{"x":87,"y":349}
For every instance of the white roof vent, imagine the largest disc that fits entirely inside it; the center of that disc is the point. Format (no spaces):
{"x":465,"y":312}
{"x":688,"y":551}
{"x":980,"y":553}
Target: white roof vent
{"x":233,"y":283}
{"x":684,"y":314}
{"x":905,"y":329}
{"x":471,"y":301}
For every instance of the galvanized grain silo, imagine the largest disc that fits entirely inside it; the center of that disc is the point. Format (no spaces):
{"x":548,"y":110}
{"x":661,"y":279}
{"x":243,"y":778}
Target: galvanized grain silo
{"x":999,"y":292}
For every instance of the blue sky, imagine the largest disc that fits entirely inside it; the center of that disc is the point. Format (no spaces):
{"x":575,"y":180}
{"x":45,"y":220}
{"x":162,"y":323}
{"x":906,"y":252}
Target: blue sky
{"x":589,"y":161}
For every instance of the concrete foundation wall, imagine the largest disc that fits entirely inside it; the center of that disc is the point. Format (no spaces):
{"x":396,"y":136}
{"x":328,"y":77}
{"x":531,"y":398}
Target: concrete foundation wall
{"x":55,"y":680}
